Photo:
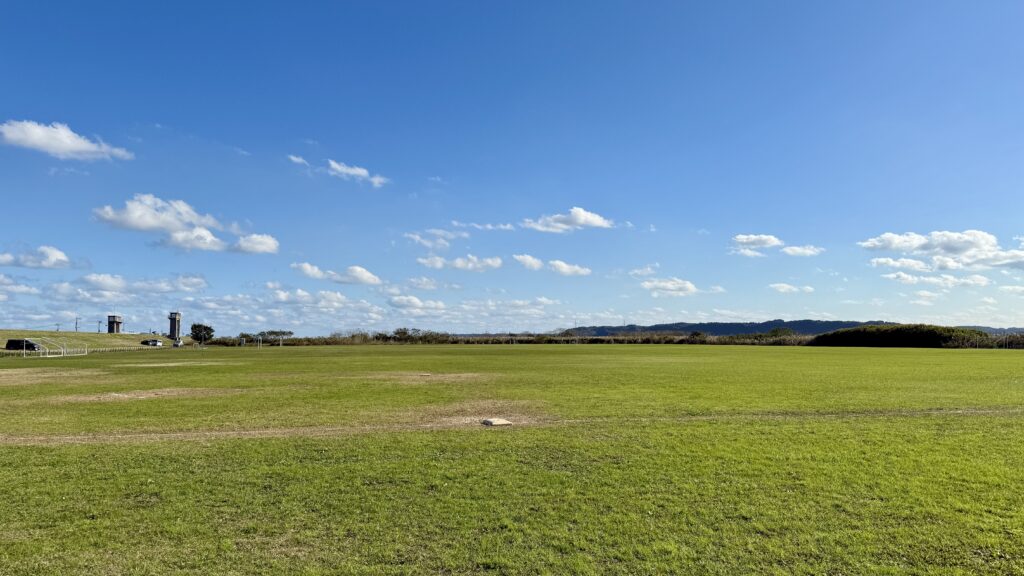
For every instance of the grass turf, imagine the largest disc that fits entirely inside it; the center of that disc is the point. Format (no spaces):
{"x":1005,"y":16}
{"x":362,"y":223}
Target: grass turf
{"x":636,"y":459}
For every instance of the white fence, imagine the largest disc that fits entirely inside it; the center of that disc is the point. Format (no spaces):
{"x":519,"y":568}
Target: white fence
{"x":61,"y":351}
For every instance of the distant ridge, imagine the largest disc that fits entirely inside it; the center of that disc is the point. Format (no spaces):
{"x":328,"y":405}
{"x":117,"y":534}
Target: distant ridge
{"x":803,"y":327}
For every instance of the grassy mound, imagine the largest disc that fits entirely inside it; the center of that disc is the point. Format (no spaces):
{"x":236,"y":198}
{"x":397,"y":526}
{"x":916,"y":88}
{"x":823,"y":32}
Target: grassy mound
{"x":903,"y":336}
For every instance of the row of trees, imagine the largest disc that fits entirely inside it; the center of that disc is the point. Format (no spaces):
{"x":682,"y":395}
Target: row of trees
{"x":893,"y":335}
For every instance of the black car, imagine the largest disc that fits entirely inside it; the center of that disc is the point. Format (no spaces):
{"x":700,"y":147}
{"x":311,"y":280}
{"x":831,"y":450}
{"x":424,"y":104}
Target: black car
{"x":22,"y":344}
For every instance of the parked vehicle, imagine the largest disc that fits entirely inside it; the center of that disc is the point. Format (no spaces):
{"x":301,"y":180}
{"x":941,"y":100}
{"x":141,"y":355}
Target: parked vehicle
{"x":178,"y":344}
{"x":152,"y":342}
{"x":22,"y":344}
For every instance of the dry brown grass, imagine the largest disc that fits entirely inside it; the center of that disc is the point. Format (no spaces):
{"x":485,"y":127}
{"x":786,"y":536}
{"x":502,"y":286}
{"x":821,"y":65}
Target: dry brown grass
{"x":422,"y":377}
{"x":26,"y":376}
{"x":144,"y":395}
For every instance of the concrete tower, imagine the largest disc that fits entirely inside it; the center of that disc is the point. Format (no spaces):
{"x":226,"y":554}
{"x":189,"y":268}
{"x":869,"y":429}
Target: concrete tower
{"x":175,"y":331}
{"x":113,"y":324}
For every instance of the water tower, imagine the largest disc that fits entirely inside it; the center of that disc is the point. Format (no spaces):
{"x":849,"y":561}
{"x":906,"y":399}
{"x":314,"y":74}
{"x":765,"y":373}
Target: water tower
{"x":114,"y":324}
{"x":175,"y":331}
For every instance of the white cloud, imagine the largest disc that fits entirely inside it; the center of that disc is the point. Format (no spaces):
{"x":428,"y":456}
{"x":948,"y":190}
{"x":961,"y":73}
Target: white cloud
{"x":197,"y":238}
{"x":423,"y":283}
{"x":415,"y":303}
{"x":298,"y":160}
{"x":669,"y":287}
{"x":258,"y":244}
{"x":472,"y":263}
{"x":566,"y":269}
{"x":435,"y":262}
{"x":529,"y":262}
{"x":575,"y":219}
{"x":950,"y":250}
{"x":648,"y":270}
{"x":110,"y":282}
{"x":807,"y":250}
{"x":184,"y":226}
{"x":475,"y":226}
{"x":1012,"y":289}
{"x":310,"y":270}
{"x":9,"y":286}
{"x":148,"y":213}
{"x":43,"y":257}
{"x":757,"y":240}
{"x":342,"y":170}
{"x":750,"y":245}
{"x":748,"y":252}
{"x":783,"y":288}
{"x":352,"y":275}
{"x":358,"y":275}
{"x":184,"y":283}
{"x":941,"y":280}
{"x":435,"y":238}
{"x":59,"y":141}
{"x":901,"y":263}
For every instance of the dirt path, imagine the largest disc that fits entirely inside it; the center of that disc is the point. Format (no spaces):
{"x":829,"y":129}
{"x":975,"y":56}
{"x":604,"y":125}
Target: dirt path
{"x":474,"y":423}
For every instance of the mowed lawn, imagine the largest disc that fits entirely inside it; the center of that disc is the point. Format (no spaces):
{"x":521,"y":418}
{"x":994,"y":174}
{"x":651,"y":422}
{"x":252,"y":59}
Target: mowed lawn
{"x":621,"y":460}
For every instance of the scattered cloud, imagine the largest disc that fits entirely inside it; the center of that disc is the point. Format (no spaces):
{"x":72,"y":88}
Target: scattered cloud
{"x":783,"y":288}
{"x":197,"y":238}
{"x":258,"y":244}
{"x":415,"y":304}
{"x":807,"y":250}
{"x":475,"y":226}
{"x":529,"y":262}
{"x":357,"y":173}
{"x":352,"y":275}
{"x":673,"y":286}
{"x":423,"y":283}
{"x":469,"y":262}
{"x":576,"y":219}
{"x":566,"y":269}
{"x":643,"y":271}
{"x":184,"y":227}
{"x":946,"y":250}
{"x":435,"y":238}
{"x":435,"y":262}
{"x":750,"y":245}
{"x":901,"y":263}
{"x":103,"y":288}
{"x":42,"y":257}
{"x":298,"y":160}
{"x":941,"y":280}
{"x":148,"y":213}
{"x":10,"y":286}
{"x":59,"y":141}
{"x":475,"y":264}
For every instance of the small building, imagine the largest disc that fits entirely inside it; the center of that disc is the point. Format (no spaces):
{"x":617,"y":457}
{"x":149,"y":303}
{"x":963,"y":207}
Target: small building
{"x":174,"y":333}
{"x":114,"y":324}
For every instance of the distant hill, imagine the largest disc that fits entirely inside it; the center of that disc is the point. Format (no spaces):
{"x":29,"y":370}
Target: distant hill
{"x":805,"y":327}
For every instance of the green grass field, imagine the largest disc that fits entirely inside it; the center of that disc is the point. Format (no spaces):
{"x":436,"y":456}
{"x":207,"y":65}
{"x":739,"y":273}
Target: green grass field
{"x":622,"y":460}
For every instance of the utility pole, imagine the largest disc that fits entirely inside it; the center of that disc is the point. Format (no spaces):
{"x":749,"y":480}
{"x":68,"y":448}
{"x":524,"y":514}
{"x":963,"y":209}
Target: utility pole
{"x":76,"y":323}
{"x":58,"y":326}
{"x":98,"y":324}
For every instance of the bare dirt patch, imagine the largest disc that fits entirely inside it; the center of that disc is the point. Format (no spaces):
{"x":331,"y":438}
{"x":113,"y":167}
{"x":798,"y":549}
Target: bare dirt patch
{"x":145,"y":394}
{"x":26,"y":376}
{"x":471,"y":413}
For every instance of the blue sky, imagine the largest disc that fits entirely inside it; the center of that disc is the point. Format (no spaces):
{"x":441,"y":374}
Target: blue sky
{"x":510,"y":166}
